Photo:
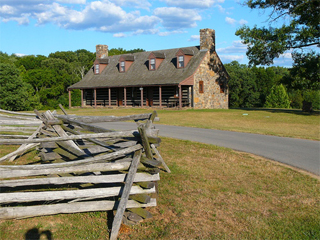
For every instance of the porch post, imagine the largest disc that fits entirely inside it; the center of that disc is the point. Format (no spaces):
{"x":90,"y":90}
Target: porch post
{"x":69,"y":98}
{"x":109,"y":95}
{"x":160,"y":96}
{"x":141,"y":89}
{"x":180,"y":97}
{"x":81,"y":105}
{"x":125,"y":96}
{"x":95,"y":97}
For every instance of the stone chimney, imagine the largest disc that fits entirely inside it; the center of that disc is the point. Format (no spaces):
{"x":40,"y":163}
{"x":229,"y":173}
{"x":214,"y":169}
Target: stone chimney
{"x":101,"y":51}
{"x":207,"y":39}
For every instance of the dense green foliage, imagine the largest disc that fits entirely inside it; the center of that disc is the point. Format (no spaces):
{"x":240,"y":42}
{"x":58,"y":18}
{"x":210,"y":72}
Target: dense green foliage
{"x":251,"y":86}
{"x":15,"y":93}
{"x":41,"y":82}
{"x":299,"y":34}
{"x":278,"y":98}
{"x":302,"y":29}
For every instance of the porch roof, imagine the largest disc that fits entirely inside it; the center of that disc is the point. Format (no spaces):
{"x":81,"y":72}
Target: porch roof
{"x":139,"y":74}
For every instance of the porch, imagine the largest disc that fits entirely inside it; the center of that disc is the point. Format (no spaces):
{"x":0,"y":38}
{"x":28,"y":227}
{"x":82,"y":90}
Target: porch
{"x":150,"y":96}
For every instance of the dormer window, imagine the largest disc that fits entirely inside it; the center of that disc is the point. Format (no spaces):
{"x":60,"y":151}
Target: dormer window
{"x":152,"y":64}
{"x":155,"y":60}
{"x":180,"y":61}
{"x":122,"y":66}
{"x":96,"y":69}
{"x":125,"y":62}
{"x":184,"y":55}
{"x":100,"y":65}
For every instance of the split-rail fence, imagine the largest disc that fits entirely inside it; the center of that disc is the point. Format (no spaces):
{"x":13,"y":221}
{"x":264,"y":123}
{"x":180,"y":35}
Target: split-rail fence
{"x":81,"y":167}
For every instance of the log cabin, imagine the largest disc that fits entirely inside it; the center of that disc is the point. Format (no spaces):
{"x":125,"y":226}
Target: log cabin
{"x":180,"y":77}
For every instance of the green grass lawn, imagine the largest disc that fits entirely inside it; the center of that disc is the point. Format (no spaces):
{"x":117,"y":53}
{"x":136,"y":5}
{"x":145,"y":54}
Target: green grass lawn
{"x":277,"y":122}
{"x":212,"y":192}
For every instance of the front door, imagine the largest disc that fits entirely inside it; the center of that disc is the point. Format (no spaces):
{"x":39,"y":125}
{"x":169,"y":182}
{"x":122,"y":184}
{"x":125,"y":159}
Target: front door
{"x":149,"y":96}
{"x":120,"y":97}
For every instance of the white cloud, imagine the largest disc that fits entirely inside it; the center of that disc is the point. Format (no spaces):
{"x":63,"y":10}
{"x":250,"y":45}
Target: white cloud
{"x":7,"y":10}
{"x":100,"y":16}
{"x":20,"y":54}
{"x":24,"y":2}
{"x":147,"y":31}
{"x":230,"y":58}
{"x":230,"y":20}
{"x":243,"y":22}
{"x":287,"y":55}
{"x":192,"y":3}
{"x":163,"y":34}
{"x":72,"y":1}
{"x":194,"y":38}
{"x":285,"y":60}
{"x":105,"y":15}
{"x":23,"y":20}
{"x":221,"y":9}
{"x":142,"y":4}
{"x":236,"y":47}
{"x":177,"y":18}
{"x":119,"y":35}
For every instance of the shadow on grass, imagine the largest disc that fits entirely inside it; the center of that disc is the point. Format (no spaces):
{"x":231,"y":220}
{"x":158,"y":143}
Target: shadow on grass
{"x":35,"y":234}
{"x":278,"y":110}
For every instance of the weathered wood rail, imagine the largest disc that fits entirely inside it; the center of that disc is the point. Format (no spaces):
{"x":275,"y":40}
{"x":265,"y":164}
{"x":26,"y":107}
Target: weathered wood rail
{"x":82,"y":168}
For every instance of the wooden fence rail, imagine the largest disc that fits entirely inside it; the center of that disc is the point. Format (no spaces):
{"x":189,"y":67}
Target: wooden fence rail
{"x":81,"y":171}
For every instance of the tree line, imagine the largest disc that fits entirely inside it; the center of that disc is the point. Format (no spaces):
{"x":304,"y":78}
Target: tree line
{"x":298,"y":33}
{"x":41,"y":82}
{"x":273,"y":87}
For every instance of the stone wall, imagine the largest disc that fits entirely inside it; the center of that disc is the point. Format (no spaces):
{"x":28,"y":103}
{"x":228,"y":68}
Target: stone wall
{"x":211,"y":98}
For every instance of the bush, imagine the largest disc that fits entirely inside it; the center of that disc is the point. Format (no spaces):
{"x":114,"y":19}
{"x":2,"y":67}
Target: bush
{"x":296,"y":99}
{"x":312,"y":96}
{"x":278,"y":98}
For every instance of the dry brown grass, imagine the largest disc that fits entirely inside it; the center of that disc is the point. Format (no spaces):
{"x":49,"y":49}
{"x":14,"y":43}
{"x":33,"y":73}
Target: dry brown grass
{"x":286,"y":123}
{"x":215,"y":192}
{"x":212,"y":193}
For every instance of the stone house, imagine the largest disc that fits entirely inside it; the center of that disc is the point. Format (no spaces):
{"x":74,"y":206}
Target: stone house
{"x":182,"y":77}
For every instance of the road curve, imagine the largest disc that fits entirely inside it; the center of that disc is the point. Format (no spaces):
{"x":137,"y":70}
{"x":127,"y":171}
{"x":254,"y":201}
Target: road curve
{"x":304,"y":154}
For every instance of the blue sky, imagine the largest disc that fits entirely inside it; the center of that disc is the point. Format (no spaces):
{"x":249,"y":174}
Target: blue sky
{"x":45,"y":26}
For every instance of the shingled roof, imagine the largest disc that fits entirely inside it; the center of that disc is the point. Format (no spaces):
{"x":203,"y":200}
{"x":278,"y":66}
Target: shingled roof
{"x":139,"y":74}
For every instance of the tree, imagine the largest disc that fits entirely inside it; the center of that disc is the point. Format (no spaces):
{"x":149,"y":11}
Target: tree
{"x":30,"y":62}
{"x":278,"y":98}
{"x":119,"y":51}
{"x":266,"y":44}
{"x":15,"y":93}
{"x":305,"y":72}
{"x":243,"y":91}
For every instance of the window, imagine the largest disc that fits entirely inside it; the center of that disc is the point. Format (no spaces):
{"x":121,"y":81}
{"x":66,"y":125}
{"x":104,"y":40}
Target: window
{"x":180,"y":61}
{"x":201,"y":90}
{"x":97,"y":71}
{"x":221,"y":88}
{"x":152,"y":64}
{"x":122,"y":66}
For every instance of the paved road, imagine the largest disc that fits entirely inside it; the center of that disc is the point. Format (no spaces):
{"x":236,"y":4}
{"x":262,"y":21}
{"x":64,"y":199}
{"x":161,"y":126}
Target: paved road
{"x":304,"y":154}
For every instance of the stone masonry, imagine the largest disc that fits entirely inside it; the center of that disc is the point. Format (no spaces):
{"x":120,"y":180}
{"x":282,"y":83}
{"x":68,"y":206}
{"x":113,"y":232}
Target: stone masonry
{"x":212,"y":73}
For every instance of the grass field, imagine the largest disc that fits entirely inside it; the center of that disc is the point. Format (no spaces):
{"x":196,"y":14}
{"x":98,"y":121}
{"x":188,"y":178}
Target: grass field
{"x":212,"y":192}
{"x":284,"y":123}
